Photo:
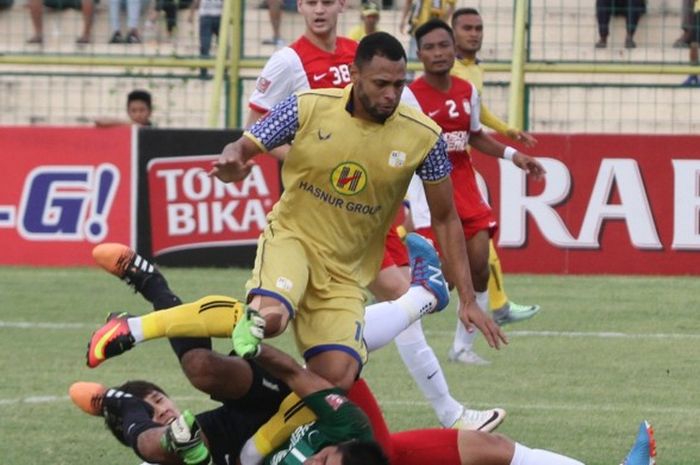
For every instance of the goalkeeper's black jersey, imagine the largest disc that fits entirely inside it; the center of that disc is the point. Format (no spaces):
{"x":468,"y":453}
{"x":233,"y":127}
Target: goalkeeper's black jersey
{"x":228,"y":427}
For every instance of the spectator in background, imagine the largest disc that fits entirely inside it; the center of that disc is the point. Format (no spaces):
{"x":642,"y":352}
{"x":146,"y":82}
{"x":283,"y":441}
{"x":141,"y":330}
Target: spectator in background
{"x":36,"y":13}
{"x":632,"y":10}
{"x":418,"y":12}
{"x":686,"y":19}
{"x":134,"y":8}
{"x":138,"y":108}
{"x":694,"y":29}
{"x":169,"y":7}
{"x":209,"y":22}
{"x":369,"y":18}
{"x":274,"y":9}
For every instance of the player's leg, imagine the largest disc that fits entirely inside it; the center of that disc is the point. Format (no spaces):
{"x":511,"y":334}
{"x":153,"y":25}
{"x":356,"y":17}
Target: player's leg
{"x":417,"y":355}
{"x":477,"y":250}
{"x":211,"y":316}
{"x":449,"y":447}
{"x":504,"y":311}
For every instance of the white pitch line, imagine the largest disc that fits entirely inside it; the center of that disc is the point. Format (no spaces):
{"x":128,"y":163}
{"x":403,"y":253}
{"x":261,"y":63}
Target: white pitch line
{"x":43,"y":325}
{"x":423,"y":404}
{"x":592,"y":334}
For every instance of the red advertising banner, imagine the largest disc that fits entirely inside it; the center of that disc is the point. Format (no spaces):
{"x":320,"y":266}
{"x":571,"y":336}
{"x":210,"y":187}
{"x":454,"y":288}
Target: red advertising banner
{"x":63,"y":190}
{"x":609,"y":204}
{"x":191,"y":210}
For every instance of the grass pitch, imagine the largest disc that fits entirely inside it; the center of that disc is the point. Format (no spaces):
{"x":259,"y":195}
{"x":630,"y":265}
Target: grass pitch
{"x":604,"y":353}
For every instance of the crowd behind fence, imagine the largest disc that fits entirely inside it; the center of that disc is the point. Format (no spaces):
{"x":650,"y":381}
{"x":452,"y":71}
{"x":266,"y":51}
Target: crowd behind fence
{"x":560,"y":31}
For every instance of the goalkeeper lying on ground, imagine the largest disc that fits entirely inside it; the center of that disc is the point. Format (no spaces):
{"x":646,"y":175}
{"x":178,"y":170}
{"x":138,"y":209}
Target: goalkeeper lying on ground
{"x":149,"y":422}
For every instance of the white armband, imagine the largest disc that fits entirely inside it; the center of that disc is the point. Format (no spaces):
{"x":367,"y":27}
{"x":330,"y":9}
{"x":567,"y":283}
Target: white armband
{"x":509,"y":152}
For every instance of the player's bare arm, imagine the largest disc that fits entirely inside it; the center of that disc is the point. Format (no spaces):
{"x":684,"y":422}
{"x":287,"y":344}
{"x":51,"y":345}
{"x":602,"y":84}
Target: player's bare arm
{"x":490,"y":146}
{"x":247,"y":342}
{"x":279,"y":364}
{"x":450,"y":236}
{"x":523,"y":137}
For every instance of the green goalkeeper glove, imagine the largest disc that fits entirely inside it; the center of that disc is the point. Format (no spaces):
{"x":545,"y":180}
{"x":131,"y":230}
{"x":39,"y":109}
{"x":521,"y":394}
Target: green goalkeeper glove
{"x":248,"y":334}
{"x":183,"y":438}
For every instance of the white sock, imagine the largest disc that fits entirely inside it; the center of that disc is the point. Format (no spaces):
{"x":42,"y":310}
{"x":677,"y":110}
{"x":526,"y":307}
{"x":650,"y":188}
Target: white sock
{"x":136,"y":329}
{"x":426,"y":371}
{"x":525,"y":456}
{"x":385,"y":320}
{"x":464,"y":340}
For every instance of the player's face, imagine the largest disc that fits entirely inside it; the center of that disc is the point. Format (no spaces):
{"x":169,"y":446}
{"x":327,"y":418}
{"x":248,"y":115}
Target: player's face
{"x":437,"y":51}
{"x":139,"y":112}
{"x":371,"y":22}
{"x":320,"y":16}
{"x":164,"y":409}
{"x":378,"y":86}
{"x":327,"y":456}
{"x":469,"y":33}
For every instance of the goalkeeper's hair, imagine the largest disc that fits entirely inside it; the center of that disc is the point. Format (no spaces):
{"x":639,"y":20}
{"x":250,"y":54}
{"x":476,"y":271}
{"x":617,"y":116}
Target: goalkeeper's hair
{"x":362,"y":453}
{"x":114,"y":418}
{"x":141,"y":389}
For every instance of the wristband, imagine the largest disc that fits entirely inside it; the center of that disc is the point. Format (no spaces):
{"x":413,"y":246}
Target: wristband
{"x":509,"y":153}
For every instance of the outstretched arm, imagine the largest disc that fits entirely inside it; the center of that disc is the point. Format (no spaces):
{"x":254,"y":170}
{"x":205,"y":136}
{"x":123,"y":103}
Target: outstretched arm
{"x":490,"y":146}
{"x":450,"y":236}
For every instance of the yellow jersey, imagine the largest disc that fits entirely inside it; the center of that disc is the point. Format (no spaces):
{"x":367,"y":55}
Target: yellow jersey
{"x":346,"y":177}
{"x":424,"y":10}
{"x":472,"y":71}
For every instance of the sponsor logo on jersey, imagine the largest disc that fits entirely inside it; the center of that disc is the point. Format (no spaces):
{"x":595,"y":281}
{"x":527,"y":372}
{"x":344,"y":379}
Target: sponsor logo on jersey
{"x":284,"y":283}
{"x":433,"y":113}
{"x":318,"y":77}
{"x":335,"y":401}
{"x":262,"y":84}
{"x":457,"y":141}
{"x":322,"y":136}
{"x":348,"y":178}
{"x":397,"y":159}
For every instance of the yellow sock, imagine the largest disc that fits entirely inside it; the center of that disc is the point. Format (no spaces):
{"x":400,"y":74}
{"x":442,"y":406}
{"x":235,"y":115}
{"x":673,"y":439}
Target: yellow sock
{"x":291,"y":415}
{"x":497,"y":293}
{"x":210,"y":316}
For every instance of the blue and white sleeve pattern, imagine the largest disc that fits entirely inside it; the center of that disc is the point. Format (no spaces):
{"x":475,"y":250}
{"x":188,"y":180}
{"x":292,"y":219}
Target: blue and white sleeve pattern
{"x":436,"y":165}
{"x":279,"y":126}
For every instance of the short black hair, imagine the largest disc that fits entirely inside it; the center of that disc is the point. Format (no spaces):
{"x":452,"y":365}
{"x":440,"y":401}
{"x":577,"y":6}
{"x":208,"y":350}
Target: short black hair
{"x":141,"y":389}
{"x":430,"y":26}
{"x":463,"y":11}
{"x":139,"y":95}
{"x":380,"y":44}
{"x":362,"y":453}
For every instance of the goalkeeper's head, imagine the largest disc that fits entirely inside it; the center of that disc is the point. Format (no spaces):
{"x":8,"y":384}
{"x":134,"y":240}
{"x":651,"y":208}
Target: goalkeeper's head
{"x":350,"y":453}
{"x":162,"y":409}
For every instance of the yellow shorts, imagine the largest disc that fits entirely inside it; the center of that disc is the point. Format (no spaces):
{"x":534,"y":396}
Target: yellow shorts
{"x":328,"y":314}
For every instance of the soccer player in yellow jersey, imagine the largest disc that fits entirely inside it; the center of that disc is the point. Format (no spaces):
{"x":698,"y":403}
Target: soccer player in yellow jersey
{"x":415,"y":13}
{"x":369,"y":21}
{"x":469,"y":33}
{"x":345,"y":176}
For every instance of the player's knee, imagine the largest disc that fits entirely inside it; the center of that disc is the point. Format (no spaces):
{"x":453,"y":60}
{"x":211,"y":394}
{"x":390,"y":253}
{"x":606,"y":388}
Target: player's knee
{"x":338,"y":368}
{"x":476,"y":447}
{"x":197,"y":364}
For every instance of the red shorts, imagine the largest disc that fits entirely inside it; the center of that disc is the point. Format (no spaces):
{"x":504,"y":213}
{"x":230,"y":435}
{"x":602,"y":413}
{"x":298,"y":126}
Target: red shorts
{"x":421,"y":447}
{"x":470,"y":228}
{"x":395,"y":252}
